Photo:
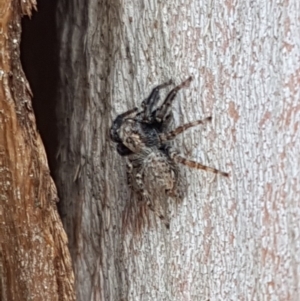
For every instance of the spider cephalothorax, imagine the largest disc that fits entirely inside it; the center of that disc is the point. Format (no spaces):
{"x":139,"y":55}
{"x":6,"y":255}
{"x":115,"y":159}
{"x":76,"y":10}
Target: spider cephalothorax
{"x":144,"y":138}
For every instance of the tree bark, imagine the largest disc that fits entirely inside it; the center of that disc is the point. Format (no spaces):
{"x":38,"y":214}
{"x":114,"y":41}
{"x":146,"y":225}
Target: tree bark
{"x":35,"y":263}
{"x":230,"y":239}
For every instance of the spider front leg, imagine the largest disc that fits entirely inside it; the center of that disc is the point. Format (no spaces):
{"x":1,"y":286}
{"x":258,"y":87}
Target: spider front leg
{"x":193,"y":164}
{"x":157,"y":210}
{"x":129,"y":169}
{"x":163,"y":111}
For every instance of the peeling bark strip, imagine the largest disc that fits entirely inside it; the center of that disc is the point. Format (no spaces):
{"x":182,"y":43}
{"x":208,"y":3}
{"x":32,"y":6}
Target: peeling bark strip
{"x":34,"y":258}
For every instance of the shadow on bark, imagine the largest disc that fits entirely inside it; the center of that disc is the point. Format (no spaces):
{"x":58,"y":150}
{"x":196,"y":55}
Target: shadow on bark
{"x":39,"y":57}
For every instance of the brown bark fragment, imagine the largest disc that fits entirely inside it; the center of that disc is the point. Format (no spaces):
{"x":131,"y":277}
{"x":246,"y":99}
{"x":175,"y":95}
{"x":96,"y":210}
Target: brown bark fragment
{"x":34,"y":259}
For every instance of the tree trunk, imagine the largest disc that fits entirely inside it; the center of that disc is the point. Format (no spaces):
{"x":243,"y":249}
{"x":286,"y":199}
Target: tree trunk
{"x":230,"y":239}
{"x":35,"y":263}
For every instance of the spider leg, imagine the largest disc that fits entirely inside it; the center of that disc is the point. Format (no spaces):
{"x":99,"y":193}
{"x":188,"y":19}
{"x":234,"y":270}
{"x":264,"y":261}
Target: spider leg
{"x":152,"y":100}
{"x":163,"y":111}
{"x":129,"y":169}
{"x":193,"y":164}
{"x":171,"y":135}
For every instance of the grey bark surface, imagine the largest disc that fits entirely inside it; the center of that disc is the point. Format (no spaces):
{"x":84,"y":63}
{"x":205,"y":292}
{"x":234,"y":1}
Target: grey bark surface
{"x":230,"y":239}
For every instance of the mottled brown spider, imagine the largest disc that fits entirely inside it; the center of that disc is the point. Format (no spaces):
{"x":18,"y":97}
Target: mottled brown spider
{"x":144,"y":138}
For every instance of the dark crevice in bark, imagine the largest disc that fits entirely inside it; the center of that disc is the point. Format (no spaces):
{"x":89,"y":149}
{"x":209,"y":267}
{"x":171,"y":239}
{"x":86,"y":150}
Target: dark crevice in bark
{"x":39,"y":56}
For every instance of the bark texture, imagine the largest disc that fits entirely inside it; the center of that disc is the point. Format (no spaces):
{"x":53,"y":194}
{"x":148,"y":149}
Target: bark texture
{"x":231,"y":239}
{"x":35,"y":263}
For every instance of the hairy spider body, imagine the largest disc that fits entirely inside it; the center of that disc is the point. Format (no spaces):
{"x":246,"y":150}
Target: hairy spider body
{"x":154,"y":177}
{"x":144,"y":138}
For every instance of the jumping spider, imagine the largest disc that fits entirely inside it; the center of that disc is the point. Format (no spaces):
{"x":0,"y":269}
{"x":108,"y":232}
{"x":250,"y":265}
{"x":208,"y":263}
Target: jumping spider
{"x":144,"y":138}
